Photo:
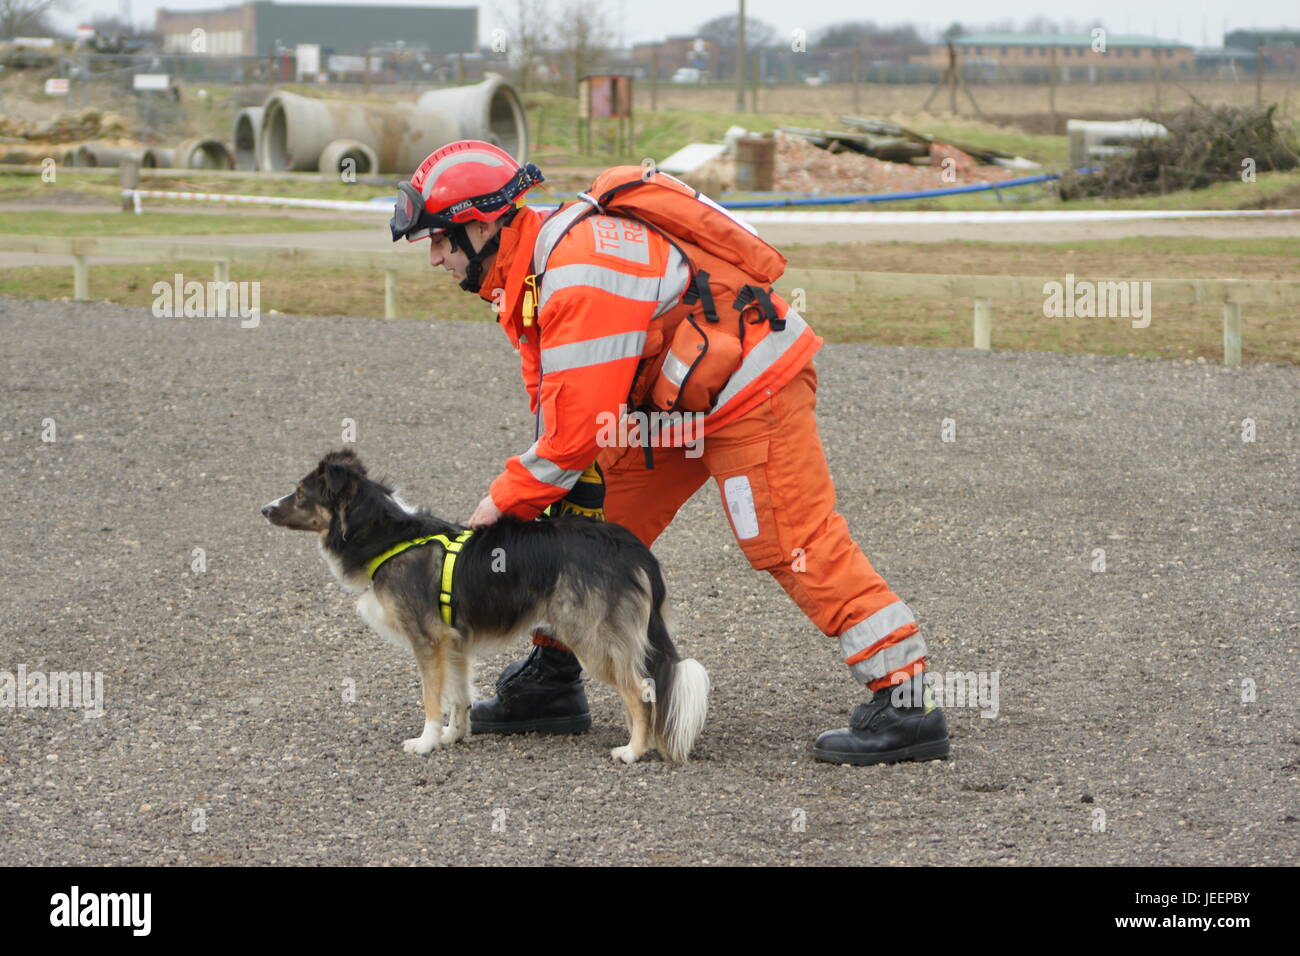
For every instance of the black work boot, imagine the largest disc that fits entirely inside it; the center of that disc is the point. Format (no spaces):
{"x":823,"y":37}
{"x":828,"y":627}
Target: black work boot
{"x":881,"y":731}
{"x":541,"y":694}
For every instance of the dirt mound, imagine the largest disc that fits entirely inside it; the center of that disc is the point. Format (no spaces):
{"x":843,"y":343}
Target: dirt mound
{"x":803,"y":167}
{"x":66,"y":127}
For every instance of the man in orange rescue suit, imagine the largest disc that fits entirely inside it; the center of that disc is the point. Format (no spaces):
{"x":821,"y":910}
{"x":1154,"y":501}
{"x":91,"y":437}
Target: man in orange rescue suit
{"x":588,"y":299}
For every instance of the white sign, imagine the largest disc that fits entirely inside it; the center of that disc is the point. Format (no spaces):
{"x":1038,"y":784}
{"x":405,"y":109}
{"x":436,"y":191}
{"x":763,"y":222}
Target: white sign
{"x":352,"y":64}
{"x":56,"y":86}
{"x":153,"y":81}
{"x":85,"y":33}
{"x":308,"y":59}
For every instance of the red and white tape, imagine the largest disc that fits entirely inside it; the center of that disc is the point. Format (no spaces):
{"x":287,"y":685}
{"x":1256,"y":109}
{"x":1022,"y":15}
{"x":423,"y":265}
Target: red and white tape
{"x":775,"y":216}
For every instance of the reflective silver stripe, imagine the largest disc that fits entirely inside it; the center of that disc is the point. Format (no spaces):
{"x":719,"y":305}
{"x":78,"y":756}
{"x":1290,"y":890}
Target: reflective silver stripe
{"x":470,"y":156}
{"x":547,"y":471}
{"x":875,"y":628}
{"x":890,"y":659}
{"x":640,"y":288}
{"x":607,"y":348}
{"x":674,"y":369}
{"x":549,"y":234}
{"x":763,"y":356}
{"x":676,"y":274}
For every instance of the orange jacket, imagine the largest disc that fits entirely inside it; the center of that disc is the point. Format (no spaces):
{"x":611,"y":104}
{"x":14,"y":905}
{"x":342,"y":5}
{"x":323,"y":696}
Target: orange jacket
{"x":610,"y":285}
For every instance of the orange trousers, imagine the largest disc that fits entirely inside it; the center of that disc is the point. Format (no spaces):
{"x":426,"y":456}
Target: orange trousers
{"x":776,"y":488}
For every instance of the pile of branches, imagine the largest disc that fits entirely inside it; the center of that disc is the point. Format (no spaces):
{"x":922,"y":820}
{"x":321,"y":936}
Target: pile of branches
{"x":1205,"y":145}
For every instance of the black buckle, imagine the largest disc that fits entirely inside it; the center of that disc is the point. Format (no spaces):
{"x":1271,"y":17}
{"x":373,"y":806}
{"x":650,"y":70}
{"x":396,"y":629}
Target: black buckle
{"x":755,"y":295}
{"x":699,"y":291}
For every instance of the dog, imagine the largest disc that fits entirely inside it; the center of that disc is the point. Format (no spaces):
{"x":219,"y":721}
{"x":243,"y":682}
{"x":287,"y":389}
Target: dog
{"x":592,"y":584}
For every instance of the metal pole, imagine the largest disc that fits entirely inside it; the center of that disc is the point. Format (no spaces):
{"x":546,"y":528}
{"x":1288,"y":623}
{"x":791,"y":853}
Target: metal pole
{"x":857,"y":78}
{"x":1051,"y":85}
{"x":740,"y":60}
{"x":654,"y":79}
{"x":1160,"y":74}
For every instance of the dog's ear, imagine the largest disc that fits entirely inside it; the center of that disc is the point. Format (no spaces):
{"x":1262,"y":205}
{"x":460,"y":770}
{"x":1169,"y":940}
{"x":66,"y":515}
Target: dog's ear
{"x":347,"y":458}
{"x":338,"y":485}
{"x":337,"y":481}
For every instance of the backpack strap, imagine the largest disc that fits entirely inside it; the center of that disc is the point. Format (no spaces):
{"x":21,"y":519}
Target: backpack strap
{"x":756,"y":295}
{"x":699,"y":291}
{"x":595,"y":208}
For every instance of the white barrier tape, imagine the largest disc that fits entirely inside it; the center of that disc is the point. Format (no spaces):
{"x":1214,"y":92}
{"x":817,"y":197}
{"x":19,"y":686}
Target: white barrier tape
{"x":1023,"y":216}
{"x":136,"y":194}
{"x":842,"y":217}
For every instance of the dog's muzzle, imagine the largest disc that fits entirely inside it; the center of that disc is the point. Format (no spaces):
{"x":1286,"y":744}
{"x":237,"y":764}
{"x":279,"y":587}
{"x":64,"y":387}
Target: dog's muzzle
{"x":268,"y":509}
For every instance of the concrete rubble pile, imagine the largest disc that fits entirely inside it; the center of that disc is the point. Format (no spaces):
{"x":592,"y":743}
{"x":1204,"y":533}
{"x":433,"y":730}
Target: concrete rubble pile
{"x":804,"y":167}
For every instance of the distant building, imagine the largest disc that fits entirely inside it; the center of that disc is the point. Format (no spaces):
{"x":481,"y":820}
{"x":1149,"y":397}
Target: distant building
{"x":680,"y":52}
{"x":1224,"y":61}
{"x":259,"y":27}
{"x":1280,"y":49}
{"x":1029,"y":56}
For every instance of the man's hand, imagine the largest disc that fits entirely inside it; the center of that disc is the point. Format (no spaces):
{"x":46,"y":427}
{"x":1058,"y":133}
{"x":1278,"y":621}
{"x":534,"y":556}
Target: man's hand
{"x":485,"y":514}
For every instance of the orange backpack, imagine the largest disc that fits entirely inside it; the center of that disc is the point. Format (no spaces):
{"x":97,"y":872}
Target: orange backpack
{"x":732,"y":271}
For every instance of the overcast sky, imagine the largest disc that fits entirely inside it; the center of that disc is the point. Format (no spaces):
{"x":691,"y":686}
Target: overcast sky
{"x":1192,"y":21}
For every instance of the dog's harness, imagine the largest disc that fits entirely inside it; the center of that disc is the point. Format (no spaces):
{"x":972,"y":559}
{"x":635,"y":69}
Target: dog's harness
{"x":445,"y":603}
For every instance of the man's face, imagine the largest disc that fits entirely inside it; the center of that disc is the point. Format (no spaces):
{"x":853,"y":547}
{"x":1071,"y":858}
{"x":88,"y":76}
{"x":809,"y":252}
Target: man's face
{"x":457,"y":263}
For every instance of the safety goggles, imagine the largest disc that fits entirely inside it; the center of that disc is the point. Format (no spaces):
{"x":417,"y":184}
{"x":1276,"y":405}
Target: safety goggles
{"x":410,"y":218}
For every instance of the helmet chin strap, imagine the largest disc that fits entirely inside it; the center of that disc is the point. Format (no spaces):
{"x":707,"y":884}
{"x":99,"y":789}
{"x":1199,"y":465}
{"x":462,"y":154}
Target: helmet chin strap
{"x":459,"y":238}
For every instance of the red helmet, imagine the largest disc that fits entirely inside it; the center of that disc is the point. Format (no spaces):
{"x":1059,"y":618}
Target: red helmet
{"x":458,"y":183}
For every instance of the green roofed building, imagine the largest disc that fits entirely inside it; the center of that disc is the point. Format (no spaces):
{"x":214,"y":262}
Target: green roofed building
{"x":260,"y":27}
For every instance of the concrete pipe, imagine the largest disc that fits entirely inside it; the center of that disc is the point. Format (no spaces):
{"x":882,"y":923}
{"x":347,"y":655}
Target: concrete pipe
{"x":348,"y":156}
{"x":155,"y":157}
{"x":97,"y":154}
{"x":203,"y":154}
{"x":489,"y":111}
{"x":296,"y":129}
{"x":245,"y":135}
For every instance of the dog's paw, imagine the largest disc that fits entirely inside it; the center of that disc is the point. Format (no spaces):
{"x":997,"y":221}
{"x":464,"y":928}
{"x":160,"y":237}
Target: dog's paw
{"x":421,"y":746}
{"x":451,"y":735}
{"x":623,"y":754}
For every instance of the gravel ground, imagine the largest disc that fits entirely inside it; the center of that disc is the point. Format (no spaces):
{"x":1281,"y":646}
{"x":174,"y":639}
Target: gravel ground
{"x":228,"y":735}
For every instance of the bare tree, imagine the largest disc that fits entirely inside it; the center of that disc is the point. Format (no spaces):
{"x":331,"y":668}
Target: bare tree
{"x":1041,"y":25}
{"x":27,"y":17}
{"x":583,"y":37}
{"x":529,"y":30}
{"x":722,"y":31}
{"x":862,"y":33}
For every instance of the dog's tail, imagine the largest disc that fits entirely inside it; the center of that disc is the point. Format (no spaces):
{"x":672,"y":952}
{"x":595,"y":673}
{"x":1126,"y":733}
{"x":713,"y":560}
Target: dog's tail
{"x":680,"y":688}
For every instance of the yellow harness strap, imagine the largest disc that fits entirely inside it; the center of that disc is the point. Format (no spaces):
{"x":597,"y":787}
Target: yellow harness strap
{"x":448,"y":565}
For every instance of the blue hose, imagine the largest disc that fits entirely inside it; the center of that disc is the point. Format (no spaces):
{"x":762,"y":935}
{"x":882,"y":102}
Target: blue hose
{"x":886,"y":197}
{"x":866,"y":197}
